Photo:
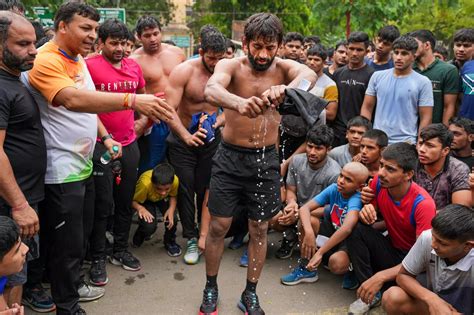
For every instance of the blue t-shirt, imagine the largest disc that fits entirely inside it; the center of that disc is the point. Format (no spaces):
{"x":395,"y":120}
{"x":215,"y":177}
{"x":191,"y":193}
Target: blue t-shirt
{"x":398,"y":99}
{"x":467,"y":89}
{"x":338,"y":206}
{"x":3,"y":282}
{"x":376,"y":67}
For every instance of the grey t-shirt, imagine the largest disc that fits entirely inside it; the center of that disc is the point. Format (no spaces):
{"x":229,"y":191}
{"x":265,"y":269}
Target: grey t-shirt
{"x":341,"y":154}
{"x":310,"y":182}
{"x":453,"y":283}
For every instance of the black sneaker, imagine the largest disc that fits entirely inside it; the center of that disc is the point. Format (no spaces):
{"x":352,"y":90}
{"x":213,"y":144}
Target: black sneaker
{"x":37,"y":299}
{"x":98,"y":273}
{"x":286,"y":249}
{"x":173,"y":249}
{"x":126,"y":260}
{"x":209,"y":301}
{"x":80,"y":311}
{"x":249,"y":304}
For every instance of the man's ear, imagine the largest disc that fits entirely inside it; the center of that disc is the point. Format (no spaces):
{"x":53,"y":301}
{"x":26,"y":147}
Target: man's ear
{"x":409,"y":175}
{"x":61,"y":27}
{"x":471,"y":137}
{"x":445,"y":151}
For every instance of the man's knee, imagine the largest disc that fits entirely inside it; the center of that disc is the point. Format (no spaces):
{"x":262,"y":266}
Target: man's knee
{"x":393,"y":299}
{"x":338,"y":265}
{"x":148,"y":228}
{"x":219,"y":227}
{"x":258,"y":228}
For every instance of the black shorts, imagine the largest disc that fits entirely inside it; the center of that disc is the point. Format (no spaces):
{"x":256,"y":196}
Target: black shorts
{"x":245,"y":177}
{"x":327,"y":229}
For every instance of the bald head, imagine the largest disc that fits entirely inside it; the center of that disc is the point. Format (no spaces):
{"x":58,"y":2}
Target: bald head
{"x":358,"y":171}
{"x":7,"y":18}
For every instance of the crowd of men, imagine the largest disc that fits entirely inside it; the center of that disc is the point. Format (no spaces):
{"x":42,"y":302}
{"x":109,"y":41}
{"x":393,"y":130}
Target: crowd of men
{"x":363,"y":163}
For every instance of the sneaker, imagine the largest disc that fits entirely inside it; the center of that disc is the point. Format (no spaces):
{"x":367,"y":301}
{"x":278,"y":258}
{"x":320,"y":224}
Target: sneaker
{"x":192,"y":252}
{"x":37,"y":299}
{"x":350,"y":282}
{"x":80,"y":311}
{"x":298,"y":275}
{"x":173,"y":249}
{"x":237,"y":241}
{"x":209,"y":301}
{"x":98,"y":273}
{"x":249,"y":304}
{"x":126,"y":260}
{"x":359,"y":307}
{"x":244,"y":259}
{"x":286,"y":249}
{"x":89,"y":293}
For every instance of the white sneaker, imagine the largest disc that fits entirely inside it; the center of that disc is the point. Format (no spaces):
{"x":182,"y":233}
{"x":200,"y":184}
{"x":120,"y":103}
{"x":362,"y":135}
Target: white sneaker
{"x":192,"y":252}
{"x":89,"y":293}
{"x":359,"y":307}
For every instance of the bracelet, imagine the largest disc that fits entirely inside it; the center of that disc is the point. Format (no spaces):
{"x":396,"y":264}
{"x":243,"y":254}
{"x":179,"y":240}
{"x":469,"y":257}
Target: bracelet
{"x":126,"y":103}
{"x":108,"y":136}
{"x":20,"y":207}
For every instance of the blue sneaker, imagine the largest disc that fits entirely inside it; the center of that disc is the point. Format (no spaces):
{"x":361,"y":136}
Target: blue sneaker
{"x":350,"y":282}
{"x":298,"y":275}
{"x":37,"y":299}
{"x":244,"y":259}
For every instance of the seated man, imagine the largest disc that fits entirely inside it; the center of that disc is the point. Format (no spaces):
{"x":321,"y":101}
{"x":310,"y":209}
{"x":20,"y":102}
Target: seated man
{"x":407,"y":210}
{"x":344,"y":203}
{"x":156,"y":190}
{"x":463,"y":134}
{"x":348,"y":152}
{"x":446,"y":254}
{"x":12,"y":258}
{"x":308,"y":175}
{"x":445,"y":178}
{"x":371,"y":147}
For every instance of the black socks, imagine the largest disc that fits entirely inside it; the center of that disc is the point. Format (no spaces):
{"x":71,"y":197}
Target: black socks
{"x":211,"y":281}
{"x":251,"y":286}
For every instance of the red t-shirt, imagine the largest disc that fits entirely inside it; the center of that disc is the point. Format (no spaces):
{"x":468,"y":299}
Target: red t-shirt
{"x":127,"y":79}
{"x":406,"y":219}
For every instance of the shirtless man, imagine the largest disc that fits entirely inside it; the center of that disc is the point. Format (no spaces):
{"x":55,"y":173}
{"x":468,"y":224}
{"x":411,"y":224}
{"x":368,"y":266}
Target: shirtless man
{"x":245,"y":167}
{"x":191,"y":153}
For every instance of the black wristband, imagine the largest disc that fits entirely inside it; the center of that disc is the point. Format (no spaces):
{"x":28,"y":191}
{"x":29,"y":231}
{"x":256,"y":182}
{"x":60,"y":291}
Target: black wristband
{"x":108,"y":136}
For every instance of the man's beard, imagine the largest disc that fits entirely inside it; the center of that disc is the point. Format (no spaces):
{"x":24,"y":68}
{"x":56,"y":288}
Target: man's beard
{"x":14,"y":62}
{"x":206,"y":66}
{"x":260,"y":67}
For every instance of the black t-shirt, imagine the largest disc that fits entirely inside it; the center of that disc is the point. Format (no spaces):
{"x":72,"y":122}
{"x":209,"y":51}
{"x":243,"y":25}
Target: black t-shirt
{"x":24,"y":140}
{"x":468,"y":160}
{"x":351,"y":86}
{"x":326,"y":72}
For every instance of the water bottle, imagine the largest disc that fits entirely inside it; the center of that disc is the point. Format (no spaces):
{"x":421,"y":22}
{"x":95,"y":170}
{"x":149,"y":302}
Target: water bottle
{"x":107,"y":157}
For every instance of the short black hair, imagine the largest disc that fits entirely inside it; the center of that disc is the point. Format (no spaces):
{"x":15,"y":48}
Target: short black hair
{"x":359,"y":121}
{"x":379,"y":136}
{"x":9,"y":235}
{"x":404,"y":154}
{"x":312,"y":39}
{"x":12,"y":5}
{"x":146,"y":21}
{"x":405,"y":42}
{"x":389,"y":33}
{"x":39,"y":30}
{"x":440,"y":49}
{"x":293,"y":36}
{"x":208,"y":28}
{"x":463,"y":122}
{"x":440,"y":131}
{"x":464,"y":35}
{"x":162,"y":174}
{"x":113,"y":28}
{"x":131,"y":35}
{"x":213,"y":41}
{"x":320,"y":135}
{"x":67,"y":11}
{"x":424,"y":36}
{"x":342,"y":42}
{"x":265,"y":25}
{"x":359,"y":37}
{"x":229,"y":44}
{"x":454,"y":222}
{"x":330,"y":52}
{"x":317,"y":50}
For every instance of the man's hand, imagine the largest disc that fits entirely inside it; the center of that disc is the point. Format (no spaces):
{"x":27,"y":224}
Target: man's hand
{"x":220,"y":121}
{"x":27,"y":220}
{"x":315,"y":261}
{"x":369,"y":288}
{"x":145,"y":215}
{"x":290,"y":214}
{"x":153,"y":107}
{"x":196,"y":139}
{"x":109,"y":144}
{"x":368,"y":214}
{"x":308,"y":246}
{"x":251,"y":107}
{"x":357,"y":157}
{"x":168,"y":218}
{"x":274,"y":96}
{"x":14,"y":310}
{"x":202,"y":243}
{"x":367,"y":194}
{"x":438,"y":306}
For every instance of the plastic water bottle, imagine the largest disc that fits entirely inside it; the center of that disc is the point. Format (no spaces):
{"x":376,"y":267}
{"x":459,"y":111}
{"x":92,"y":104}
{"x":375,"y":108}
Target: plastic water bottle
{"x":107,"y":157}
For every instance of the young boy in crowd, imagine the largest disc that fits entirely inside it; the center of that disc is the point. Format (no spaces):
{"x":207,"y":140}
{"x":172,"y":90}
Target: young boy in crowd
{"x":463,"y":134}
{"x":156,"y":190}
{"x":12,"y":258}
{"x":446,"y":254}
{"x":348,"y":152}
{"x":344,"y":203}
{"x":371,"y":146}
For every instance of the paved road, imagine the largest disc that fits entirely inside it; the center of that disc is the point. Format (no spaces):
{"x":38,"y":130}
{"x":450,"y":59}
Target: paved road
{"x":166,"y":285}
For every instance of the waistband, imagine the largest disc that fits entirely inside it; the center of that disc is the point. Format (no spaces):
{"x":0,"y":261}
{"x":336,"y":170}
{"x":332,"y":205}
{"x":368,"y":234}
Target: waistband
{"x":240,"y":149}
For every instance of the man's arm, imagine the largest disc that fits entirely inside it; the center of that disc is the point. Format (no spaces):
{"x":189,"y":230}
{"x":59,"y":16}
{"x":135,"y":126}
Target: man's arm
{"x":426,"y":116}
{"x":331,"y":111}
{"x":462,"y":197}
{"x":449,"y":107}
{"x":22,"y":213}
{"x":371,"y":286}
{"x":368,"y":106}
